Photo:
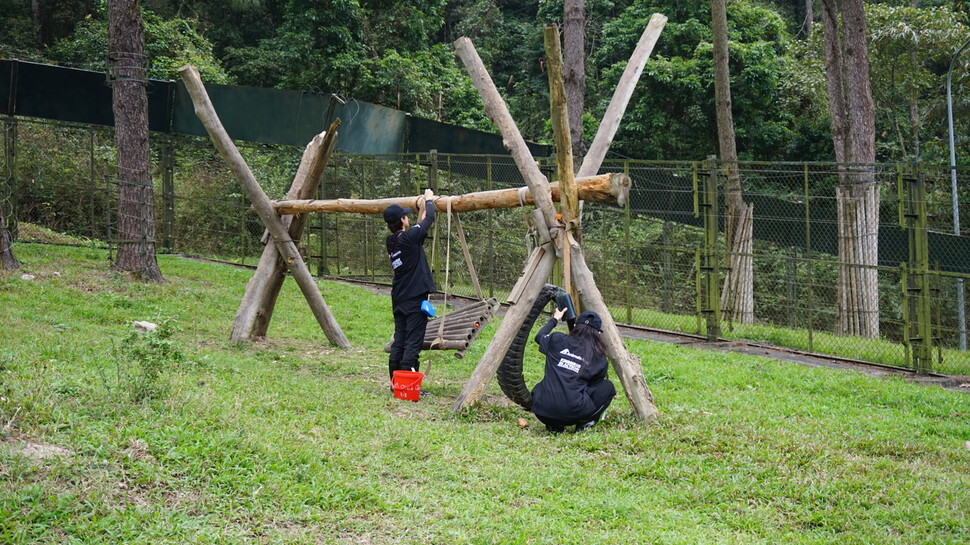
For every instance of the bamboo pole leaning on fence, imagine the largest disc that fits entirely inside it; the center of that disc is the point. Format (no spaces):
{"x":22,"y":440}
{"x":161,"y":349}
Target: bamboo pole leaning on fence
{"x":262,"y":205}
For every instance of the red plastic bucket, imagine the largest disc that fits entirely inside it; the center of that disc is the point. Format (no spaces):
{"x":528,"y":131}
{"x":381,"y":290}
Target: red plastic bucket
{"x":407,"y":385}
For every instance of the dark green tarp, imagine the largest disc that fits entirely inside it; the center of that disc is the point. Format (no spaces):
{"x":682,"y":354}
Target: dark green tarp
{"x":6,"y":86}
{"x":425,"y":135}
{"x":80,"y":96}
{"x":252,"y":114}
{"x":369,"y":129}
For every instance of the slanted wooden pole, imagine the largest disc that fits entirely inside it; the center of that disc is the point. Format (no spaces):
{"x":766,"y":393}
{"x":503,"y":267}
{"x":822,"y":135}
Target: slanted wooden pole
{"x":262,"y":205}
{"x":511,"y":137}
{"x":613,"y":189}
{"x":621,"y":96}
{"x":534,"y":277}
{"x":257,"y":305}
{"x":626,"y":364}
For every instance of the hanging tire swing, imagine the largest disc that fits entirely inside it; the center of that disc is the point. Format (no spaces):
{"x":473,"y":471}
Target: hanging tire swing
{"x":509,"y":373}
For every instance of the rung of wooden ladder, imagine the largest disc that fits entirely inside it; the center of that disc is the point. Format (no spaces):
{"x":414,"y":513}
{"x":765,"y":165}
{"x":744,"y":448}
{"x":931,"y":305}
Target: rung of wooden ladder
{"x":461,"y":327}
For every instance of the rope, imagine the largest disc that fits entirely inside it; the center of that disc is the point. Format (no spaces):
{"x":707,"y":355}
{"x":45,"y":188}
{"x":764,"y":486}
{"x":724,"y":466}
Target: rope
{"x":444,"y":305}
{"x":468,"y":258}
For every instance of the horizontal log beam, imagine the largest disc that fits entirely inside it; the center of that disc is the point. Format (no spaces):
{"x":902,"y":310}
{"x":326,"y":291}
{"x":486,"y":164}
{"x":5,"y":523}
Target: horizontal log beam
{"x":613,"y":189}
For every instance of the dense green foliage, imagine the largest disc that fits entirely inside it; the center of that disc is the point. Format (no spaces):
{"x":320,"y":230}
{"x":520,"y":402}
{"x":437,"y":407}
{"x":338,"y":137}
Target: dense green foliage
{"x":398,"y":54}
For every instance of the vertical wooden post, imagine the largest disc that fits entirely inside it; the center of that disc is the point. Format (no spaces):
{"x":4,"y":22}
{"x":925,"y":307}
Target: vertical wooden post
{"x":530,"y":284}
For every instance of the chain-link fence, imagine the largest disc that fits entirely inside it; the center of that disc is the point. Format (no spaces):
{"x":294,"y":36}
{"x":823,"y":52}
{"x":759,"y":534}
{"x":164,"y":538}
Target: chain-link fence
{"x":859,"y":262}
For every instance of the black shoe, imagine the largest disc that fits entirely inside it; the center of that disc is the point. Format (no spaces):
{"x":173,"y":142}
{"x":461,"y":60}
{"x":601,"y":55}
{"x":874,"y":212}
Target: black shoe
{"x":585,"y":426}
{"x":555,"y":429}
{"x":425,"y":392}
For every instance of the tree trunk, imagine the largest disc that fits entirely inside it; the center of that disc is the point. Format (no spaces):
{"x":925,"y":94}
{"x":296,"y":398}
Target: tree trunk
{"x":574,"y":70}
{"x":853,"y":134}
{"x":737,"y":297}
{"x":35,"y":15}
{"x":7,"y":260}
{"x":834,"y":75}
{"x":809,"y":17}
{"x":136,"y":202}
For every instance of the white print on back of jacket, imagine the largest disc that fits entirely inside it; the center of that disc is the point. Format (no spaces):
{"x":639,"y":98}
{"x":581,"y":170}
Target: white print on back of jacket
{"x":396,"y":259}
{"x":569,"y":364}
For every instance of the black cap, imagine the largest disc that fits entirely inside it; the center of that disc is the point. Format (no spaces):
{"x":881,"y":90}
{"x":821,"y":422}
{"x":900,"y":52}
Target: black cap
{"x":395,"y":212}
{"x":591,"y":319}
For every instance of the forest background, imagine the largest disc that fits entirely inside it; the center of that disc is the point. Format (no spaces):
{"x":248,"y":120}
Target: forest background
{"x":399,"y":54}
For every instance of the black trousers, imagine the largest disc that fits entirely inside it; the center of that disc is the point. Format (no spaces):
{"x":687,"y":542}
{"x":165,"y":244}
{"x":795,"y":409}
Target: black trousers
{"x":602,"y":394}
{"x":410,"y":325}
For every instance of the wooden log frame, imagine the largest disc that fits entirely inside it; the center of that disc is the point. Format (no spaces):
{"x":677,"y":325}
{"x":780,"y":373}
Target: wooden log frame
{"x":540,"y":264}
{"x":613,"y":188}
{"x":257,"y":305}
{"x":262,"y":205}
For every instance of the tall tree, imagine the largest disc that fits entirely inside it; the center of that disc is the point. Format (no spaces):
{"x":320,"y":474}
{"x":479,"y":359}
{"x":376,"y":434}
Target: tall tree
{"x":136,"y":214}
{"x":853,"y":124}
{"x":574,"y":70}
{"x":809,"y":16}
{"x":737,"y":297}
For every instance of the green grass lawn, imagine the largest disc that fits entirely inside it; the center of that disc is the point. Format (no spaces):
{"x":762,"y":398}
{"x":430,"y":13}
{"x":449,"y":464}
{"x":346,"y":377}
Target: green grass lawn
{"x":106,"y":437}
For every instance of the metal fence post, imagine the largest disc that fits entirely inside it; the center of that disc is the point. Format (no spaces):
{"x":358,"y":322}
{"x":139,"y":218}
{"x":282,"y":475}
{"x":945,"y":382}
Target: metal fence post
{"x":808,"y":260}
{"x":708,"y":265}
{"x":627,"y":216}
{"x":8,"y":198}
{"x":491,"y":230}
{"x":916,"y":278}
{"x":168,"y":192}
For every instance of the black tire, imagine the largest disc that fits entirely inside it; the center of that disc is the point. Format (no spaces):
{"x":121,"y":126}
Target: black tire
{"x":509,"y":373}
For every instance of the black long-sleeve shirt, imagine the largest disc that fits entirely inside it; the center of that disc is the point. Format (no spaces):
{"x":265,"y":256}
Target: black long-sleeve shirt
{"x":562,"y":392}
{"x":405,"y":249}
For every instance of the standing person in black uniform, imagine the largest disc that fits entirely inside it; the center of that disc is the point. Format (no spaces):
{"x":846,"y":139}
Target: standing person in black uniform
{"x":574,"y":390}
{"x":412,"y":281}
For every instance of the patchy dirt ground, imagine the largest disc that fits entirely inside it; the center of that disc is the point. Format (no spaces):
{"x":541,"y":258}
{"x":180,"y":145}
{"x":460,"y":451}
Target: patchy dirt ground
{"x":34,"y":451}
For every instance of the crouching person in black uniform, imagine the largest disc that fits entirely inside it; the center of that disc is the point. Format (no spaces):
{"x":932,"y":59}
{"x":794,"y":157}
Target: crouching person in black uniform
{"x":412,"y":282}
{"x":574,"y":390}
